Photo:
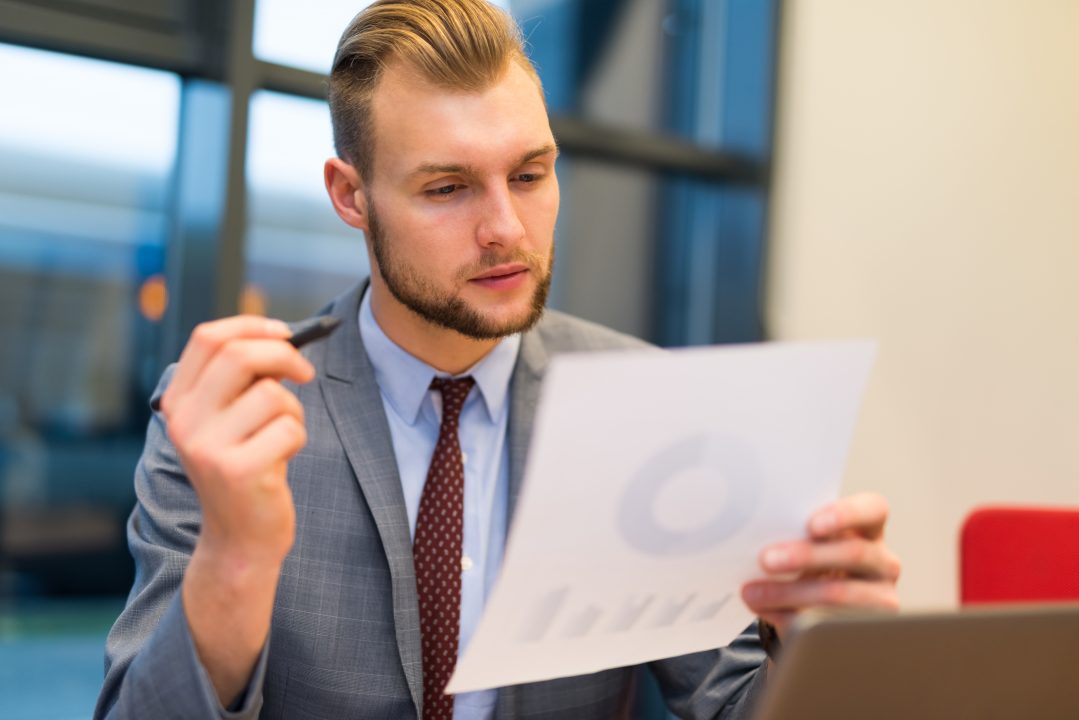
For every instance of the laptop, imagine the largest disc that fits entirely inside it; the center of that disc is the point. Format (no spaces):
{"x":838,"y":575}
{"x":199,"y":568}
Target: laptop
{"x":983,"y":664}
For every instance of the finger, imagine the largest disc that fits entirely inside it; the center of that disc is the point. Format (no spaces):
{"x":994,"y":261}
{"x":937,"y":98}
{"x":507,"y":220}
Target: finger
{"x":240,"y":362}
{"x":277,"y":441}
{"x":853,"y":556}
{"x":863,"y":514}
{"x":253,"y":409}
{"x":249,"y":464}
{"x":209,"y":337}
{"x":770,"y":596}
{"x":231,"y":371}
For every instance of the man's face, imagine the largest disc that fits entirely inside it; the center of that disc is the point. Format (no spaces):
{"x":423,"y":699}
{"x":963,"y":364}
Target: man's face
{"x":462,"y":201}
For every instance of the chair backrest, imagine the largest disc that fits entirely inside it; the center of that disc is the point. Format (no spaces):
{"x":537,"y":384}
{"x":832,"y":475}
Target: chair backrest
{"x":1019,"y":554}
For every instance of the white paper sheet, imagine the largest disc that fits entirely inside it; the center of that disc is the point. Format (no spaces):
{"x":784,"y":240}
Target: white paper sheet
{"x":653,"y":481}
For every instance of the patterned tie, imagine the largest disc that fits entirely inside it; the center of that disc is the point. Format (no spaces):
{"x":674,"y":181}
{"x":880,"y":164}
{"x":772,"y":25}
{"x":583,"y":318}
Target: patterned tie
{"x":437,"y":553}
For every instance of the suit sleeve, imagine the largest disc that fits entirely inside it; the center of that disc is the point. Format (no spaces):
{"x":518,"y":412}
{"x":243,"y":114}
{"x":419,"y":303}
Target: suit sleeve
{"x":152,"y":669}
{"x":724,"y":683}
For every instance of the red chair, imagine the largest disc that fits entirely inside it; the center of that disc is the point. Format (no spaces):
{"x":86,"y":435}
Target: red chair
{"x":1019,"y":554}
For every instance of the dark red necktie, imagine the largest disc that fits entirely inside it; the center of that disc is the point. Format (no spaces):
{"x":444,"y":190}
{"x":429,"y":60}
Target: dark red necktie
{"x":436,"y":551}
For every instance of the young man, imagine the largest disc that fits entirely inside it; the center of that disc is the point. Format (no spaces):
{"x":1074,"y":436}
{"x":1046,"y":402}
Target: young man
{"x":291,"y":560}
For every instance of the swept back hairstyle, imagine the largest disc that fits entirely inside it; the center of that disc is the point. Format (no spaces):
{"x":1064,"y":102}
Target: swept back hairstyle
{"x":455,"y":44}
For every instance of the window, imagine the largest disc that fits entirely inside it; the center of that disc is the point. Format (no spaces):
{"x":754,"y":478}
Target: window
{"x":84,"y":188}
{"x":303,"y":35}
{"x":299,"y":253}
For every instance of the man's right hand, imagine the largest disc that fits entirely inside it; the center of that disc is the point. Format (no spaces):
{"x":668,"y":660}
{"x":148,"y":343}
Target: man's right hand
{"x":235,"y":427}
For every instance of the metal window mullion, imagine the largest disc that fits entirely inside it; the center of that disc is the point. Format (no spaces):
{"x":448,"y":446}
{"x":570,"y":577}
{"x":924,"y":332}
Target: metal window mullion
{"x":205,"y":258}
{"x":241,"y":75}
{"x":150,"y":45}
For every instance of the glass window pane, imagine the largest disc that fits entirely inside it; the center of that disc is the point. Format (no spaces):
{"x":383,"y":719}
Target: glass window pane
{"x":86,"y":154}
{"x":299,"y":253}
{"x":304,"y":35}
{"x":73,"y":109}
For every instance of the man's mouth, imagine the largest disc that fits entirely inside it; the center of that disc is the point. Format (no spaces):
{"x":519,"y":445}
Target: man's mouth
{"x":502,"y":277}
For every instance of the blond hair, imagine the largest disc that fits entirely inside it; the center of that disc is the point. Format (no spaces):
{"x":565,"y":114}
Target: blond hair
{"x":455,"y":44}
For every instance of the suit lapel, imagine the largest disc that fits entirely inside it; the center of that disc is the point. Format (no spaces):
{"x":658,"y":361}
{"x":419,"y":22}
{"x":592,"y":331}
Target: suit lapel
{"x":355,"y":407}
{"x":524,"y":394}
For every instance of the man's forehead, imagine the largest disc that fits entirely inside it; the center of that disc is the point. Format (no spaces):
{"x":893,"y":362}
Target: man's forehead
{"x":422,"y":126}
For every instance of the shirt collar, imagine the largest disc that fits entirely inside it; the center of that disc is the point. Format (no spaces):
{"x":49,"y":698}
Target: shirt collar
{"x":405,"y":379}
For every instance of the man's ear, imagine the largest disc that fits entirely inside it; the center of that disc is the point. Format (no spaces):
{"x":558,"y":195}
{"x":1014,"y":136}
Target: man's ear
{"x":346,"y":190}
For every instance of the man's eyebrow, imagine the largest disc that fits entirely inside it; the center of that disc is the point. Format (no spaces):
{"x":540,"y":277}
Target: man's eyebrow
{"x":469,"y":170}
{"x":538,"y":152}
{"x":451,"y":169}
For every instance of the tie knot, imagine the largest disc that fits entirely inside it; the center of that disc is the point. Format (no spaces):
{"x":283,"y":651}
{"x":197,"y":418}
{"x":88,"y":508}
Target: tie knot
{"x":454,"y":392}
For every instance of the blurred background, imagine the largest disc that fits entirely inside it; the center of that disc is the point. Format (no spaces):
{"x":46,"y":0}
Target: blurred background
{"x":732,"y":171}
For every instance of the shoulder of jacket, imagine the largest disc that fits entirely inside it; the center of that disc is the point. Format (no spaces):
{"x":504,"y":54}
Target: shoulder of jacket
{"x":561,"y":332}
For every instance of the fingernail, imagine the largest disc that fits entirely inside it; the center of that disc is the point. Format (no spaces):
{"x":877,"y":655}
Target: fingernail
{"x":824,"y":523}
{"x":277,"y":327}
{"x":776,"y":559}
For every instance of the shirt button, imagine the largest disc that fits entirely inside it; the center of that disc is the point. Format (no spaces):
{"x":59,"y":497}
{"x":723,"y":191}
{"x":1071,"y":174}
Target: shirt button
{"x":464,"y":457}
{"x":466,"y":563}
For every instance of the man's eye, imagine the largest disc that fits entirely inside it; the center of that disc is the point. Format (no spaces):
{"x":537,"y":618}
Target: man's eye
{"x":528,"y":177}
{"x":443,"y":191}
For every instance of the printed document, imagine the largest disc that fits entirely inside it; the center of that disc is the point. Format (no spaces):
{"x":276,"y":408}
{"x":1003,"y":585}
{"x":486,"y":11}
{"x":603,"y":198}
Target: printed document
{"x":653,"y":481}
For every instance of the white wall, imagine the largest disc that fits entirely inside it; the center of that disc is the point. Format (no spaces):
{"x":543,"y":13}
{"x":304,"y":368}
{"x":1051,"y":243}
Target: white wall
{"x":927,"y":194}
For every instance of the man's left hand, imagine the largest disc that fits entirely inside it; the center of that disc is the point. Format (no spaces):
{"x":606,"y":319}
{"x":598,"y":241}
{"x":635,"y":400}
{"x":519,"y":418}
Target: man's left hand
{"x":843,"y":563}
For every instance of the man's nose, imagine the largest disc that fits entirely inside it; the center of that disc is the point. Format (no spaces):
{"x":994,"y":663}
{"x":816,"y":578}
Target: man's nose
{"x":500,"y":222}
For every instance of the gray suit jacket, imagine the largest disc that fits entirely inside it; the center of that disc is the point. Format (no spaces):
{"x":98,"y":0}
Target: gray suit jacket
{"x":345,"y":639}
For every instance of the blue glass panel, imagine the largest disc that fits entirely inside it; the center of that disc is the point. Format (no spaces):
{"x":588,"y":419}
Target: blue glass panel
{"x":299,"y":253}
{"x":721,"y":68}
{"x":86,"y":156}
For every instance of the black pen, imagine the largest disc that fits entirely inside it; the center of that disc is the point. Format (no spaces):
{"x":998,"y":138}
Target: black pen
{"x":313,"y":329}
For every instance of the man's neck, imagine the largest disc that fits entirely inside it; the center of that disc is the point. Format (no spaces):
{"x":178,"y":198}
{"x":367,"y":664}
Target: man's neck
{"x":443,"y":349}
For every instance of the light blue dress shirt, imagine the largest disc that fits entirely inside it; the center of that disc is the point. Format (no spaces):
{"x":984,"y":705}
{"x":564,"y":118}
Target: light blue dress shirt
{"x":414,"y":412}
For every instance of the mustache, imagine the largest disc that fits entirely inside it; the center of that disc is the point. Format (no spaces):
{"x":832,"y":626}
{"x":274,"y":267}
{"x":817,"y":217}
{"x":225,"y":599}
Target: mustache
{"x":536,"y":262}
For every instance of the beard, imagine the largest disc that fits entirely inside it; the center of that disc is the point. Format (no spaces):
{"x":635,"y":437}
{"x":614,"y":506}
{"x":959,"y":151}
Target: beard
{"x":447,"y":309}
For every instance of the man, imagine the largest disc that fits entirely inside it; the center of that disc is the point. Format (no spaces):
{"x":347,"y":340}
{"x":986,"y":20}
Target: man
{"x":290,"y":560}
